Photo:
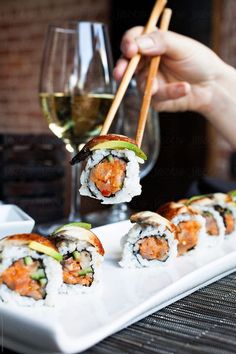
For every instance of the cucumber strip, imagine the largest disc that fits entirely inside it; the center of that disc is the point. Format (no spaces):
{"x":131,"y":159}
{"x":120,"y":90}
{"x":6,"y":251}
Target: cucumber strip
{"x":28,"y":260}
{"x":227,"y":211}
{"x":110,"y":158}
{"x":85,"y":271}
{"x":43,"y":281}
{"x":206,"y":213}
{"x":39,"y":274}
{"x":76,"y":255}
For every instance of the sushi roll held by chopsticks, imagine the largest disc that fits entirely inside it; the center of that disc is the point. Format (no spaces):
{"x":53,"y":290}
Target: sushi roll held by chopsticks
{"x":30,"y":270}
{"x":151,"y":242}
{"x":111,"y":173}
{"x":112,"y":170}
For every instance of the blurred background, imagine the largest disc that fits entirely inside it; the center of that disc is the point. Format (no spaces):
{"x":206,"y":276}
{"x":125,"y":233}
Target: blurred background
{"x":34,"y":166}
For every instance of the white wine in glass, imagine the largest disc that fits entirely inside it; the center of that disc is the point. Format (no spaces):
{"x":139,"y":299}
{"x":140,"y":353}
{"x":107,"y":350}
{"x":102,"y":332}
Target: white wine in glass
{"x":75,"y":118}
{"x":76,"y":87}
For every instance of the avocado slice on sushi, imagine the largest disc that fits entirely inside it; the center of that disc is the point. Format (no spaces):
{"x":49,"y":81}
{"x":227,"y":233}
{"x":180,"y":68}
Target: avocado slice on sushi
{"x":195,"y":198}
{"x":39,"y":247}
{"x":83,"y":225}
{"x":117,"y":145}
{"x":232,"y":194}
{"x":111,"y":141}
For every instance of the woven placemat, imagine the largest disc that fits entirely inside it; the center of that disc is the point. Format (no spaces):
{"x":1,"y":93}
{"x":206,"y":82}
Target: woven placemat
{"x":204,"y":322}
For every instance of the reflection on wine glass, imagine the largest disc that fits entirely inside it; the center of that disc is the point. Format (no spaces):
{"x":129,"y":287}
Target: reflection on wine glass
{"x":151,"y":139}
{"x":127,"y":125}
{"x":76,"y":87}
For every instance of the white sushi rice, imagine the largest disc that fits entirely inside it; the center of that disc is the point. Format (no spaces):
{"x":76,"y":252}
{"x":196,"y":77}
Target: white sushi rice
{"x":213,"y":240}
{"x":132,"y":259}
{"x":11,"y":254}
{"x":67,"y":246}
{"x":232,"y":208}
{"x":201,"y":243}
{"x":131,"y":186}
{"x":219,"y":199}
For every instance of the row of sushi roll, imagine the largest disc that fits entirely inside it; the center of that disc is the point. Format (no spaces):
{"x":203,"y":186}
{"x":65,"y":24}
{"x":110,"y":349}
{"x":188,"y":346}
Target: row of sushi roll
{"x":179,"y":228}
{"x":34,"y":269}
{"x":111,"y":172}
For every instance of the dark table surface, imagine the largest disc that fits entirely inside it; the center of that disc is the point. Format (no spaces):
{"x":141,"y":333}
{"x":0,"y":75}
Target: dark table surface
{"x":204,"y":322}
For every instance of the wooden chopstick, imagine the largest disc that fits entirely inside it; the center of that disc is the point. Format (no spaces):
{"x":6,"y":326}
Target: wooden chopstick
{"x":154,"y":65}
{"x":155,"y":14}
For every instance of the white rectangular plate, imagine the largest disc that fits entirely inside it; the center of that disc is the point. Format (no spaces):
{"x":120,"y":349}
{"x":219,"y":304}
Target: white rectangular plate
{"x":125,"y":296}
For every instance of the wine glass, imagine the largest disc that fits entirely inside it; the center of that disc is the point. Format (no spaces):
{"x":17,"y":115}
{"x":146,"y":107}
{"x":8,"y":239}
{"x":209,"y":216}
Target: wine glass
{"x":151,"y":139}
{"x":127,"y":125}
{"x":76,"y":88}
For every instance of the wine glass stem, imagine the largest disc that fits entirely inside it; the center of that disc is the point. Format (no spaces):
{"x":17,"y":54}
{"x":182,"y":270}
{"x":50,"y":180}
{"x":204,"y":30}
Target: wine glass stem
{"x":75,"y":196}
{"x":120,"y":211}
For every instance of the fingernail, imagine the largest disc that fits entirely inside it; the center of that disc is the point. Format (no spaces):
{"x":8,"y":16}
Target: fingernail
{"x":154,"y":87}
{"x":180,"y":89}
{"x":114,"y":72}
{"x":145,"y":43}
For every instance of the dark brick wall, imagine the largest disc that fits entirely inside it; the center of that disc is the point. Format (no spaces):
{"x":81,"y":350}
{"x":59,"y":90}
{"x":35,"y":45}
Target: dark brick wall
{"x":22,"y":29}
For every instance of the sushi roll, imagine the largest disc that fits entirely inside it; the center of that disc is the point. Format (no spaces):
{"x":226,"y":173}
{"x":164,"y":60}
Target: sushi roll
{"x":225,"y":206}
{"x":111,"y":174}
{"x":30,"y":270}
{"x":151,"y":242}
{"x":190,"y":226}
{"x":82,"y":256}
{"x":215,"y":228}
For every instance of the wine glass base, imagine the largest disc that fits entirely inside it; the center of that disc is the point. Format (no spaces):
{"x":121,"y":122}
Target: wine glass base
{"x":116,"y":213}
{"x":47,"y":229}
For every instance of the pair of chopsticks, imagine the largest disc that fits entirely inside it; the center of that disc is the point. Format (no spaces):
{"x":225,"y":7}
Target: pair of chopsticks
{"x":154,"y":65}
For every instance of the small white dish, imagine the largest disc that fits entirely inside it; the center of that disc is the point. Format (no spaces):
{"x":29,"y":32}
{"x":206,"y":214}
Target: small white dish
{"x":14,"y":220}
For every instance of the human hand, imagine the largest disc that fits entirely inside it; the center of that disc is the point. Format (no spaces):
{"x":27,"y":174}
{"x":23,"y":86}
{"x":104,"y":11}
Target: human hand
{"x":188,"y":71}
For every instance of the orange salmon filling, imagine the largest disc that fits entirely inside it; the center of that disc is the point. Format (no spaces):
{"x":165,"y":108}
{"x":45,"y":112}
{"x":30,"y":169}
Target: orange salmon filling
{"x":211,"y":225}
{"x":18,"y":278}
{"x":229,"y":223}
{"x":108,"y":176}
{"x":228,"y":219}
{"x":71,"y":268}
{"x":154,"y":248}
{"x":187,"y":235}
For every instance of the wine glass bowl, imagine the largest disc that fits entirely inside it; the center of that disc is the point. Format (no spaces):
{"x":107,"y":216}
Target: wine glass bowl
{"x":76,"y":87}
{"x":151,"y":139}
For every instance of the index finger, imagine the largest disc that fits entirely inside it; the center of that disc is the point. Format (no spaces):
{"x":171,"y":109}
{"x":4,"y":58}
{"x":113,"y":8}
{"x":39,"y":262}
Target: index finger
{"x":120,"y":68}
{"x":129,"y":46}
